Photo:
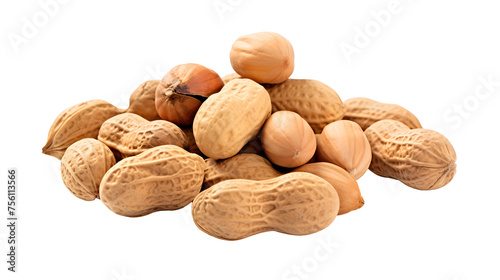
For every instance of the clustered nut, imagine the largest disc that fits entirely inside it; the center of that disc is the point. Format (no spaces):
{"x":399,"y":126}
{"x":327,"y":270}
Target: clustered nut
{"x":183,"y":89}
{"x":420,"y":158}
{"x":287,"y":139}
{"x":265,"y":57}
{"x":83,"y":165}
{"x":76,"y":123}
{"x":343,"y":143}
{"x":162,"y":178}
{"x":129,"y":134}
{"x":226,"y":121}
{"x":252,"y":152}
{"x":296,"y":203}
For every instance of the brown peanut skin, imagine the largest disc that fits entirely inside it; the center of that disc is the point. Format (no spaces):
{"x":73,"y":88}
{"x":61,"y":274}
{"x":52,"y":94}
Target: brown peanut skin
{"x":346,"y":186}
{"x":142,"y":101}
{"x":313,"y":100}
{"x":183,"y":89}
{"x":287,"y":139}
{"x":265,"y":57}
{"x":226,"y":121}
{"x":365,"y":112}
{"x":343,"y":143}
{"x":296,"y":203}
{"x":241,"y":166}
{"x":130,"y":134}
{"x":420,"y":158}
{"x":77,"y":122}
{"x":83,"y":165}
{"x":162,"y":178}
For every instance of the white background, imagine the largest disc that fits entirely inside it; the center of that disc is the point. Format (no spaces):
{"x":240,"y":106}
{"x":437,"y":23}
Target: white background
{"x":429,"y":57}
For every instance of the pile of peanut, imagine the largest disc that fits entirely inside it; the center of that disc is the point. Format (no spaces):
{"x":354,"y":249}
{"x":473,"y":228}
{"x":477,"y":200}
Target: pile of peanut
{"x":253,"y":151}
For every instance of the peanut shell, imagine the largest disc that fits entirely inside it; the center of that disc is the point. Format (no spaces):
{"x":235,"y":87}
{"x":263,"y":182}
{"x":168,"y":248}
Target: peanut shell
{"x":162,"y":178}
{"x":314,"y":101}
{"x":297,"y":203}
{"x":77,"y":122}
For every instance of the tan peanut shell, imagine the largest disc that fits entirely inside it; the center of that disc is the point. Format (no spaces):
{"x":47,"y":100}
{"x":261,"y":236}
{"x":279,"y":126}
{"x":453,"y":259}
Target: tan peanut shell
{"x":83,"y":165}
{"x":229,"y":77}
{"x":296,"y":203}
{"x":254,"y":146}
{"x":191,"y":146}
{"x":226,"y":121}
{"x":131,"y":134}
{"x":142,"y":101}
{"x":365,"y":112}
{"x":241,"y":166}
{"x":314,"y":101}
{"x":162,"y":178}
{"x":343,"y":143}
{"x":420,"y":158}
{"x":346,"y":186}
{"x":77,"y":122}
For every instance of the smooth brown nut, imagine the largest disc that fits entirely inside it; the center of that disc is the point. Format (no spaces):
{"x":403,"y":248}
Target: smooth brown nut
{"x":83,"y":165}
{"x":226,"y":121}
{"x":287,"y":139}
{"x":420,"y":158}
{"x":242,"y":166}
{"x":264,"y":57}
{"x":346,"y":186}
{"x":162,"y":178}
{"x":183,"y":89}
{"x":365,"y":112}
{"x":130,"y":134}
{"x":314,"y":101}
{"x":142,"y":101}
{"x":77,"y":122}
{"x":343,"y":143}
{"x":296,"y":203}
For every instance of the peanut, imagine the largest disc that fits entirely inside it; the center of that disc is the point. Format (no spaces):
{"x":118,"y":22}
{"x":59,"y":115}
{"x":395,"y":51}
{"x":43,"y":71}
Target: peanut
{"x":226,"y":121}
{"x":365,"y":112}
{"x":343,"y":143}
{"x":77,"y":122}
{"x":83,"y":165}
{"x":162,"y":178}
{"x":287,"y":139}
{"x":296,"y":203}
{"x":183,"y":89}
{"x":265,"y":57}
{"x":420,"y":158}
{"x":130,"y":134}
